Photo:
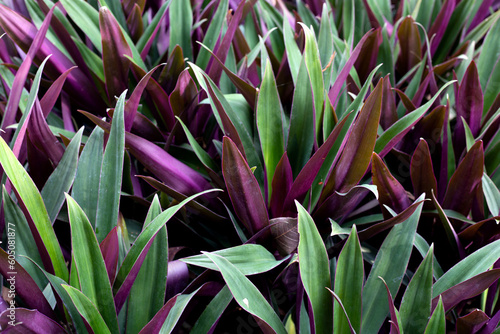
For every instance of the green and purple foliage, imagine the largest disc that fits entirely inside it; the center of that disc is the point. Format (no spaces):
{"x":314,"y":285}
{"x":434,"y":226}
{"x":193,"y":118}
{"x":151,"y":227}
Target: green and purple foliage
{"x":250,"y":166}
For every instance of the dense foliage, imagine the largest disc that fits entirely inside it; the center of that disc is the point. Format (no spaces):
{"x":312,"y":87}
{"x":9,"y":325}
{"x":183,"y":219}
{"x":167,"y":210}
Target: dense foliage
{"x":250,"y":166}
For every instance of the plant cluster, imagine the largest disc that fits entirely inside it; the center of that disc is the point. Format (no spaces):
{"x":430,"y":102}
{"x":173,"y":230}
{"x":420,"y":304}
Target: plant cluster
{"x":222,"y":166}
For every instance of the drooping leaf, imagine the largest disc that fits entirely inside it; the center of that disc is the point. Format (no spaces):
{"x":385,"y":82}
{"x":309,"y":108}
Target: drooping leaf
{"x":29,"y":321}
{"x":315,"y":271}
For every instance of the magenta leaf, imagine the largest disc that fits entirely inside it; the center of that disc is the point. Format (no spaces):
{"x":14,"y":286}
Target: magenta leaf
{"x":243,"y":188}
{"x":441,"y":23}
{"x":29,"y":321}
{"x":281,"y":185}
{"x":110,"y":249}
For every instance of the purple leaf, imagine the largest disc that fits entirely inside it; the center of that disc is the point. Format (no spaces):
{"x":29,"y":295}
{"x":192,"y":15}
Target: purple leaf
{"x":409,"y":41}
{"x":25,"y":287}
{"x":285,"y":234}
{"x":183,"y":97}
{"x":41,"y":135}
{"x":110,"y":249}
{"x":422,"y":172}
{"x":392,"y":310}
{"x":133,"y":102}
{"x":29,"y":321}
{"x":341,"y":78}
{"x":10,"y":112}
{"x":428,"y":128}
{"x":134,"y":23}
{"x":491,"y":325}
{"x":464,"y":181}
{"x":481,"y":233}
{"x":357,"y":152}
{"x":177,"y":278}
{"x":114,"y":50}
{"x":306,"y":177}
{"x":467,"y":289}
{"x":391,"y":192}
{"x":388,"y":114}
{"x":440,"y":24}
{"x":406,"y":101}
{"x":367,"y":59}
{"x":472,"y":322}
{"x":49,"y":99}
{"x":171,"y":171}
{"x":243,"y":188}
{"x":281,"y":185}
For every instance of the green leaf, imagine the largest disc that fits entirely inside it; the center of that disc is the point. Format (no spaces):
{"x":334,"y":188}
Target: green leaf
{"x":474,"y":264}
{"x":212,"y":34}
{"x":62,"y":177}
{"x":87,"y":310}
{"x":423,"y":247}
{"x":416,"y":304}
{"x":390,"y":264}
{"x":292,"y":51}
{"x":86,"y":18}
{"x":175,"y":312}
{"x":250,"y":259}
{"x":180,"y":11}
{"x":488,"y":66}
{"x":148,"y":292}
{"x":437,"y":322}
{"x":349,"y":285}
{"x":246,"y":294}
{"x":491,"y":194}
{"x":212,"y":312}
{"x":88,"y":175}
{"x":93,"y":277}
{"x":152,"y":26}
{"x":270,"y":124}
{"x":204,"y":157}
{"x":37,"y":213}
{"x":315,"y":271}
{"x":111,"y":174}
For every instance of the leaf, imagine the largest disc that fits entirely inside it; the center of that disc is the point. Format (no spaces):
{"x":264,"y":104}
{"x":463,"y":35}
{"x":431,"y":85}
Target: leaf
{"x":114,"y":50}
{"x":437,"y":322}
{"x":148,"y":292}
{"x":487,"y":73}
{"x":87,"y":310}
{"x":246,"y":294}
{"x":88,"y":175}
{"x":180,"y":34}
{"x":472,"y":322}
{"x":469,"y":102}
{"x":387,"y":140}
{"x":474,"y":264}
{"x":213,"y":33}
{"x":292,"y":51}
{"x":415,"y":307}
{"x":421,"y":171}
{"x":315,"y":271}
{"x":249,"y":259}
{"x":467,"y":289}
{"x":29,"y":321}
{"x":31,"y":202}
{"x":111,"y":174}
{"x":391,"y":192}
{"x":392,"y":310}
{"x":212,"y":313}
{"x":270,"y":124}
{"x":25,"y":287}
{"x":349,"y":277}
{"x":131,"y":264}
{"x":92,"y":273}
{"x":465,"y":180}
{"x":243,"y":188}
{"x":390,"y":263}
{"x":284,"y":231}
{"x":282,"y":182}
{"x":110,"y":249}
{"x":409,"y":41}
{"x":491,"y":194}
{"x":61,"y":179}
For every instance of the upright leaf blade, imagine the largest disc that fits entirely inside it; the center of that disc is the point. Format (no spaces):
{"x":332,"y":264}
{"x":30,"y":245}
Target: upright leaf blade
{"x":315,"y":271}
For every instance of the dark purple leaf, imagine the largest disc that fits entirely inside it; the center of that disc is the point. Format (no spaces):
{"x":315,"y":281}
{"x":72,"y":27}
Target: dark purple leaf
{"x":243,"y":188}
{"x":367,"y":59}
{"x":306,"y":177}
{"x":481,"y":233}
{"x":172,"y":70}
{"x":428,"y":128}
{"x":464,"y":181}
{"x":144,"y":128}
{"x":134,"y":23}
{"x":443,"y":173}
{"x":50,"y":97}
{"x":388,"y":114}
{"x":491,"y":325}
{"x":10,"y":112}
{"x":406,"y":101}
{"x":341,"y":78}
{"x":471,"y":322}
{"x":41,"y":135}
{"x":281,"y":185}
{"x":183,"y":96}
{"x":110,"y":252}
{"x":357,"y":152}
{"x":133,"y":102}
{"x":409,"y":41}
{"x":177,"y":278}
{"x":391,"y":192}
{"x":29,"y":321}
{"x":285,"y":234}
{"x":440,"y":24}
{"x":467,"y":289}
{"x":25,"y":287}
{"x":422,"y":172}
{"x":114,"y":51}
